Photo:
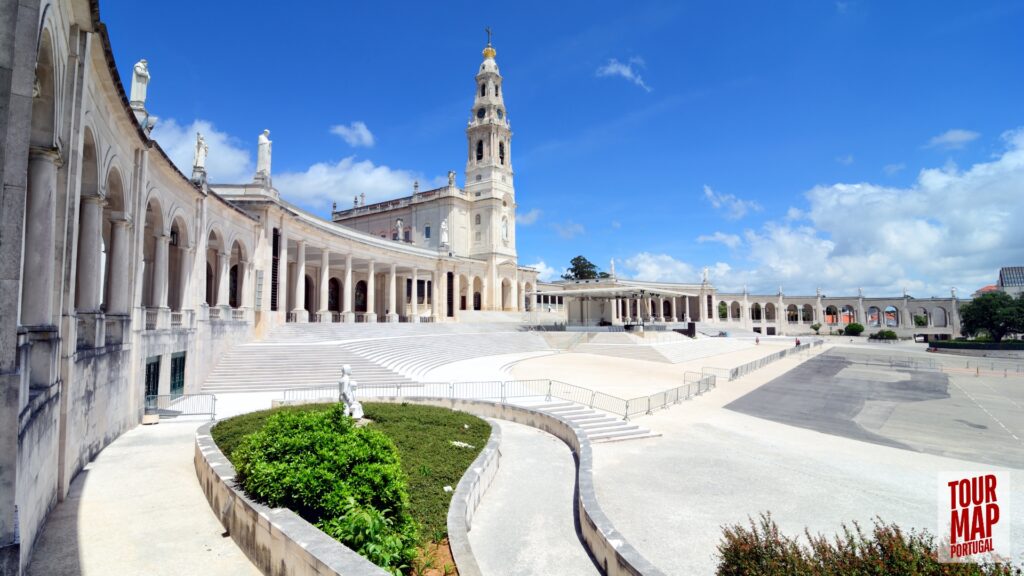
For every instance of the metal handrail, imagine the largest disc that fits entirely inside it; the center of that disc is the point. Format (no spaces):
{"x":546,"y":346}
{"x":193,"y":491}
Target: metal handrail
{"x":172,"y":405}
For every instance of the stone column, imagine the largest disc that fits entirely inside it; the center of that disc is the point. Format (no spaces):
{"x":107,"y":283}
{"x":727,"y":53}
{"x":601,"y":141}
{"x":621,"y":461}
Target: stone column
{"x":325,"y":284}
{"x":186,"y":274}
{"x":415,"y":296}
{"x":40,"y":240}
{"x":120,"y":237}
{"x":686,"y":305}
{"x":392,"y":311}
{"x":300,"y":283}
{"x":163,"y":241}
{"x":347,"y":289}
{"x":514,"y":295}
{"x":371,"y":292}
{"x":223,"y":284}
{"x":437,"y":295}
{"x":673,"y":309}
{"x":89,"y":271}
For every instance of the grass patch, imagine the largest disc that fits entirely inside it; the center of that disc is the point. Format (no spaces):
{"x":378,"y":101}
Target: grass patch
{"x":423,"y":436}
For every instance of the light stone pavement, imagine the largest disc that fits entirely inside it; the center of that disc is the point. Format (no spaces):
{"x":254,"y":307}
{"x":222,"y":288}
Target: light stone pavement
{"x":138,"y":509}
{"x":669,"y":496}
{"x":524,"y":523}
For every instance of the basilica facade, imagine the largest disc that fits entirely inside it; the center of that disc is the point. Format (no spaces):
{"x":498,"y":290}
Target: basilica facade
{"x":122,"y":278}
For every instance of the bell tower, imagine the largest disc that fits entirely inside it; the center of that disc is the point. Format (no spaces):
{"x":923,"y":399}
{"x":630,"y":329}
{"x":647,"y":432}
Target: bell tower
{"x":489,"y":163}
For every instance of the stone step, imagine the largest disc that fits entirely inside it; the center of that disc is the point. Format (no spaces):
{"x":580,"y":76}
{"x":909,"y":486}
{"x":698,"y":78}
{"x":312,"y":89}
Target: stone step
{"x":622,"y":433}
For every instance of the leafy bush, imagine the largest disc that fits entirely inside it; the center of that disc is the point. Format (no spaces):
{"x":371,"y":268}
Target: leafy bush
{"x":816,"y":327}
{"x":884,"y":335}
{"x":346,"y":480}
{"x":854,"y":329}
{"x":762,"y":550}
{"x":920,"y":320}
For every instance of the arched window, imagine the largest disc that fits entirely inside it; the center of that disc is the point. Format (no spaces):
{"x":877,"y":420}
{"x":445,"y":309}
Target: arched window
{"x":497,"y":90}
{"x":408,"y":235}
{"x":483,"y":89}
{"x":481,"y":113}
{"x":426,"y":231}
{"x":479,"y":150}
{"x":477,"y":220}
{"x":501,"y":152}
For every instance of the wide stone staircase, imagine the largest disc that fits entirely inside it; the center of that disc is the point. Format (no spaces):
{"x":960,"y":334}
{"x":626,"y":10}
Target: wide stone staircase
{"x":261,"y":367}
{"x":599,"y":426}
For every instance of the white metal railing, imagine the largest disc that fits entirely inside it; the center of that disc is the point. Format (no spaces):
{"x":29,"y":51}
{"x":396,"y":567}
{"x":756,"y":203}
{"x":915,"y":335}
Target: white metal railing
{"x":214,"y":313}
{"x":238,"y":313}
{"x":504,"y":391}
{"x":152,"y":318}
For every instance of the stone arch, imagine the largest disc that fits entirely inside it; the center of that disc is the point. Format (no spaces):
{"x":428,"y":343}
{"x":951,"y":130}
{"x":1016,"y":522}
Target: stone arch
{"x":465,"y":293}
{"x":922,"y":318}
{"x":771,"y":312}
{"x":237,"y":275}
{"x":756,"y":313}
{"x":310,"y":293}
{"x":874,"y":319}
{"x":334,"y":289}
{"x":359,"y":296}
{"x":43,"y":132}
{"x":831,"y":315}
{"x":91,"y":253}
{"x":891,"y":316}
{"x":939,"y":317}
{"x":528,"y":298}
{"x":178,"y":264}
{"x":666,"y":307}
{"x":478,"y":291}
{"x":736,"y":311}
{"x":792,"y":314}
{"x":116,"y":240}
{"x":216,"y":254}
{"x":807,"y":314}
{"x":154,"y":279}
{"x":848,"y":314}
{"x":506,"y":294}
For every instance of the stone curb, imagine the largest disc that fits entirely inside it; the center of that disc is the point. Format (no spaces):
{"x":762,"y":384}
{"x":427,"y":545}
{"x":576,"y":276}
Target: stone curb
{"x":613,"y":554}
{"x":467,"y":497}
{"x":276,"y":540}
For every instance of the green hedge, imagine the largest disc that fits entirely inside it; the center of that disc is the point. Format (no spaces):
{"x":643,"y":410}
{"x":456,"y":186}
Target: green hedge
{"x":973,"y":345}
{"x":854,"y":329}
{"x":346,"y":480}
{"x":761,"y":550}
{"x":884,"y":335}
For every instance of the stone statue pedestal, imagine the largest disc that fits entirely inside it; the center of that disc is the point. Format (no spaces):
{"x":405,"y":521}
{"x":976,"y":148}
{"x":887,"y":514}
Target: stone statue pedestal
{"x":371,"y":317}
{"x":348,"y":317}
{"x":198,"y":175}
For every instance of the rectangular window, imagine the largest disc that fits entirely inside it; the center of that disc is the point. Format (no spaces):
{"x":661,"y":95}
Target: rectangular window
{"x":177,"y":374}
{"x":152,"y":375}
{"x":426,"y":232}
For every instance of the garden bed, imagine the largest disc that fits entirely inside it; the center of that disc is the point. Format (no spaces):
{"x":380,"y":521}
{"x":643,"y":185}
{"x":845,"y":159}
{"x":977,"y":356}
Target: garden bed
{"x":423,"y":437}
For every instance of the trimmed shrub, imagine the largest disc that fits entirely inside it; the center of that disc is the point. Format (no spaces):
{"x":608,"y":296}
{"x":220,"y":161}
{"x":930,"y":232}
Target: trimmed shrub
{"x":816,"y":327}
{"x":346,"y":480}
{"x":854,"y":329}
{"x":762,"y":550}
{"x":884,"y":335}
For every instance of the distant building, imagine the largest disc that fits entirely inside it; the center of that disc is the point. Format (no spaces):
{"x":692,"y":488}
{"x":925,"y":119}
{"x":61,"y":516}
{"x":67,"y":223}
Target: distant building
{"x":1011,"y":280}
{"x":985,"y":290}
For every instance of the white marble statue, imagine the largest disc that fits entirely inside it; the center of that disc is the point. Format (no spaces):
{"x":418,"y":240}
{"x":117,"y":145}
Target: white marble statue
{"x":444,"y":232}
{"x":451,"y":178}
{"x":398,"y":228}
{"x":705,"y":276}
{"x":199,"y":159}
{"x":263,"y":155}
{"x":140,"y":80}
{"x":347,"y":393}
{"x":611,"y":271}
{"x":504,"y":229}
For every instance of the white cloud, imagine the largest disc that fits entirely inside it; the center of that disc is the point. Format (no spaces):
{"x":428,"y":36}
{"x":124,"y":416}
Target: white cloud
{"x":527,"y":218}
{"x":324,"y":182}
{"x":892,"y":169}
{"x":730,"y":240}
{"x":660,"y":268}
{"x":951,"y":227}
{"x":616,"y":224}
{"x":845,"y":160}
{"x":735,"y":208}
{"x":795,"y":213}
{"x":569,"y":229}
{"x":625,"y":70}
{"x":545,"y":273}
{"x":953,"y":139}
{"x":227,"y":161}
{"x":356,"y":134}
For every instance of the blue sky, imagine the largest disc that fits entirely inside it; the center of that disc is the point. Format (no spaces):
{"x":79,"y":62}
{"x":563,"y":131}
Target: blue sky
{"x":794,"y":144}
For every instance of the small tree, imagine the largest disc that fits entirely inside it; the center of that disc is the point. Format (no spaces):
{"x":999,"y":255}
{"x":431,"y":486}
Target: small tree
{"x":582,"y":269}
{"x":854,"y":329}
{"x":920,"y":320}
{"x":723,"y":311}
{"x":816,"y":327}
{"x":996,"y":313}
